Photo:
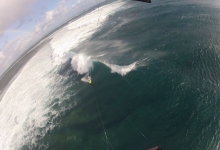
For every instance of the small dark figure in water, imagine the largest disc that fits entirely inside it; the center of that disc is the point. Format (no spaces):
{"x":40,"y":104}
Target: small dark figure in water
{"x":147,"y":1}
{"x":155,"y":148}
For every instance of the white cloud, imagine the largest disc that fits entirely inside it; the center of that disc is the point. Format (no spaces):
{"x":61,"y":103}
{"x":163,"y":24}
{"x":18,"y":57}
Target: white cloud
{"x":51,"y":15}
{"x":64,"y":11}
{"x":2,"y":56}
{"x":87,"y":1}
{"x":15,"y":48}
{"x":12,"y":11}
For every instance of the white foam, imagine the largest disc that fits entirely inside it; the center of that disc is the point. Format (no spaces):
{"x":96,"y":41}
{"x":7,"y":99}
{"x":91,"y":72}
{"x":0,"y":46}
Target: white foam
{"x":26,"y":110}
{"x":23,"y":102}
{"x":81,"y":63}
{"x":70,"y":36}
{"x":122,"y":70}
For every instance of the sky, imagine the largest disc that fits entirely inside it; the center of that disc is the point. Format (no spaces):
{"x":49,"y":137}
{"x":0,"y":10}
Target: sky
{"x":24,"y":22}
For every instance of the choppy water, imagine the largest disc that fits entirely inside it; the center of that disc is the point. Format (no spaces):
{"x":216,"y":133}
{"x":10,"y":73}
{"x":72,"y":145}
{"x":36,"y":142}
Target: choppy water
{"x":155,"y":71}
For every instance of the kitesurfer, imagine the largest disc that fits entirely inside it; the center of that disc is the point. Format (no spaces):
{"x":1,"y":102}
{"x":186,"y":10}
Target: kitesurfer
{"x":89,"y":79}
{"x":155,"y":148}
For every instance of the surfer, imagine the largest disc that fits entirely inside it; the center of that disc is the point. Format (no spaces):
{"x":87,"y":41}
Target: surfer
{"x":89,"y":79}
{"x":155,"y":148}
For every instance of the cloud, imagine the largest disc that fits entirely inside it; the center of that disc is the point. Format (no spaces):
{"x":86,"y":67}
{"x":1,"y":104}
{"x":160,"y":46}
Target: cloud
{"x":12,"y":11}
{"x":86,"y":1}
{"x":63,"y":9}
{"x":2,"y":56}
{"x":15,"y":48}
{"x":51,"y":15}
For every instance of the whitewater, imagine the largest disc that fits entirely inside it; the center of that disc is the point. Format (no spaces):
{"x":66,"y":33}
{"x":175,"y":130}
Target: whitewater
{"x":154,"y":71}
{"x":27,"y":109}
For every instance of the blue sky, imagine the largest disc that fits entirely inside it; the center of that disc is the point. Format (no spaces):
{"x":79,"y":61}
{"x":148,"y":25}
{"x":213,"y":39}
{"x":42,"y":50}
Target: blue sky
{"x":23,"y":22}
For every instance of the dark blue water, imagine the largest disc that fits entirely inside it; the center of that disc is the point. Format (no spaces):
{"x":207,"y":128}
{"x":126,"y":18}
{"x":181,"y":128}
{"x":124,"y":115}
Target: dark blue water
{"x":171,"y":99}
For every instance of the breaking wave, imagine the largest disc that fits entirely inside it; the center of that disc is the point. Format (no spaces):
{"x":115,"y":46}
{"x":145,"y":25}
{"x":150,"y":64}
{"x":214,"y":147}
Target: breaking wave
{"x":33,"y":104}
{"x":82,"y":64}
{"x":122,"y":70}
{"x":67,"y":40}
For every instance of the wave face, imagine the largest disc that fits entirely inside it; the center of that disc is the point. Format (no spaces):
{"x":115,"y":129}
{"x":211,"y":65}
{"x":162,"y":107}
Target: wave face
{"x":154,"y":70}
{"x":66,"y":43}
{"x":24,"y":107}
{"x":81,"y":29}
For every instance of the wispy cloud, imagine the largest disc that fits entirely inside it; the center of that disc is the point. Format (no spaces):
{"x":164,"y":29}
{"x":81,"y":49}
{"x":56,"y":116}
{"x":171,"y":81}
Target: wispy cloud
{"x":12,"y":11}
{"x":15,"y":48}
{"x":51,"y":15}
{"x":2,"y":55}
{"x":12,"y":51}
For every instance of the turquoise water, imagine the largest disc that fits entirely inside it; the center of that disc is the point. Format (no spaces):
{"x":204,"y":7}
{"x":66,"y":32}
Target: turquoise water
{"x":171,"y":98}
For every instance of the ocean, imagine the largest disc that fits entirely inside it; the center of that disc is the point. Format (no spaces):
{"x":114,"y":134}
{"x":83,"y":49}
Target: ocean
{"x":154,"y":70}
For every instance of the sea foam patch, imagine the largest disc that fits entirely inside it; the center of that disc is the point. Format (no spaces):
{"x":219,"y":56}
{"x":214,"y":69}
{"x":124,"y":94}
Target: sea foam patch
{"x":22,"y":107}
{"x":27,"y":108}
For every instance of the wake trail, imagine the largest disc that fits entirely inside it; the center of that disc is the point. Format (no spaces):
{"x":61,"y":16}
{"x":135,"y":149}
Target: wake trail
{"x":106,"y":137}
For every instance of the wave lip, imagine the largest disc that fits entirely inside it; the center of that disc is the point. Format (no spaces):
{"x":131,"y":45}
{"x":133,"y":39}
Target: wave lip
{"x":81,"y":63}
{"x":122,"y":70}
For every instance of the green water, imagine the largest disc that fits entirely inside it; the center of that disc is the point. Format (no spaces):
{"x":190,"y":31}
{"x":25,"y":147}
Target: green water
{"x":172,"y":97}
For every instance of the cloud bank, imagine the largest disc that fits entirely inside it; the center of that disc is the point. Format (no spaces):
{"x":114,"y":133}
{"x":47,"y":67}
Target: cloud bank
{"x":51,"y":15}
{"x":12,"y":11}
{"x":52,"y":18}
